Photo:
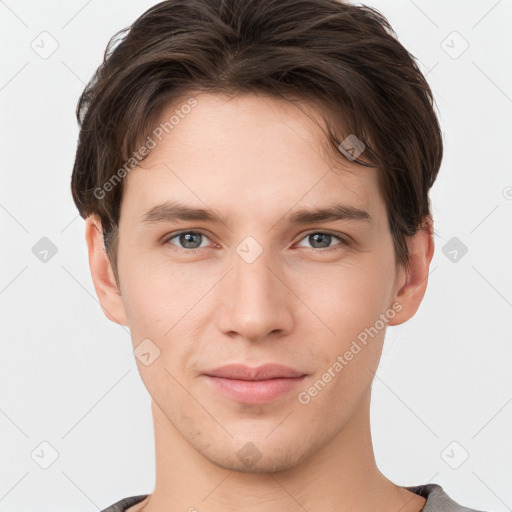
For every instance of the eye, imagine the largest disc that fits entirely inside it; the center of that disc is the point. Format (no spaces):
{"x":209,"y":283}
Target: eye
{"x":187,"y":240}
{"x":322,"y":240}
{"x":190,"y":241}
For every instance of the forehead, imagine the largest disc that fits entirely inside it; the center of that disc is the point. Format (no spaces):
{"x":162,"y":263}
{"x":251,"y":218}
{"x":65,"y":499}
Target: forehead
{"x":253,"y":117}
{"x":249,"y":153}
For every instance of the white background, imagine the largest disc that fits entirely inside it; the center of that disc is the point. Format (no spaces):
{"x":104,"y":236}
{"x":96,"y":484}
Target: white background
{"x":67,"y":374}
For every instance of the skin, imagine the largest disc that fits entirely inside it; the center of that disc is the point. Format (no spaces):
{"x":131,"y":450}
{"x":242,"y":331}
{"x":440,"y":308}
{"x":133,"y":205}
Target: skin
{"x":255,"y":160}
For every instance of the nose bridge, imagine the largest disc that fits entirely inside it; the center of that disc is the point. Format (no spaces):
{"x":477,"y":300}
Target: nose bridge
{"x":254,"y":299}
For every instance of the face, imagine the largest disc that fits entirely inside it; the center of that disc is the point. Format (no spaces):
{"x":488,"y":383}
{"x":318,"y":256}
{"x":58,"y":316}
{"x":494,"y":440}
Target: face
{"x":255,"y":279}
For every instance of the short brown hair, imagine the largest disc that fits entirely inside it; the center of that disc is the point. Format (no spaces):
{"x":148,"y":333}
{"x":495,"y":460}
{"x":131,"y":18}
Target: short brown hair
{"x":343,"y":57}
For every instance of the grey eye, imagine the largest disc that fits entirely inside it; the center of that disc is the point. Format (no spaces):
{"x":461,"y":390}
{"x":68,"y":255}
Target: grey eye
{"x":188,"y":240}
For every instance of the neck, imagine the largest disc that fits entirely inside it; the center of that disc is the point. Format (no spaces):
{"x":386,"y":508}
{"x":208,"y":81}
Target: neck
{"x":341,"y":476}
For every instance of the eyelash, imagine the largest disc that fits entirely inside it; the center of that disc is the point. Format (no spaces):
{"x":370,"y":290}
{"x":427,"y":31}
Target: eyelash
{"x":343,"y":241}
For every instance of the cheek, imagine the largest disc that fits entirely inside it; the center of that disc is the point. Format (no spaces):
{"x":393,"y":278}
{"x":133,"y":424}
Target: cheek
{"x":153,"y":291}
{"x":348,"y":297}
{"x":346,"y":310}
{"x":163,"y":304}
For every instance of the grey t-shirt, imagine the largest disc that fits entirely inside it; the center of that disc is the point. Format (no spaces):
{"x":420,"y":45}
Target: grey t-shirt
{"x":437,"y":500}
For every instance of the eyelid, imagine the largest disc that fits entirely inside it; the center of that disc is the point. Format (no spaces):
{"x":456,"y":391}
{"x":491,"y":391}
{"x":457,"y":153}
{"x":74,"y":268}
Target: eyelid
{"x":323,"y":231}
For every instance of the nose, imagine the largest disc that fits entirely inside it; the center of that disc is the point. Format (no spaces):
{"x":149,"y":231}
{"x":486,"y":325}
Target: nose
{"x":255,"y":301}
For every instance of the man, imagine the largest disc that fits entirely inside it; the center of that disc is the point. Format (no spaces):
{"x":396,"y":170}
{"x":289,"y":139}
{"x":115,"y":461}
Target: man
{"x":254,"y":175}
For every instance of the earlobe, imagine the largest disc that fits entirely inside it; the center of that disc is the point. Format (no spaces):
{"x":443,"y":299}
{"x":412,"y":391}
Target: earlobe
{"x":102,"y":274}
{"x":412,"y":284}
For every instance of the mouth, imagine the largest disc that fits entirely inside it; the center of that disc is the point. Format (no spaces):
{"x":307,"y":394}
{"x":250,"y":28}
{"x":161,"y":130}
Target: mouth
{"x":258,"y":385}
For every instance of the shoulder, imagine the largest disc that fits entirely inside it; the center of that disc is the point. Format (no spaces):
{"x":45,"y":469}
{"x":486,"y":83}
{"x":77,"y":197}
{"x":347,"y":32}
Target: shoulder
{"x":437,"y":499}
{"x":125,"y":504}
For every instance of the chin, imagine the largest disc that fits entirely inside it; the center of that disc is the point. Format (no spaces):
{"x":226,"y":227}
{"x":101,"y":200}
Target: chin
{"x":260,"y":457}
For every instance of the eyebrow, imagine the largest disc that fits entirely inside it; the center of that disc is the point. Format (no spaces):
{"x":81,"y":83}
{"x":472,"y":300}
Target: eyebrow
{"x":172,"y":211}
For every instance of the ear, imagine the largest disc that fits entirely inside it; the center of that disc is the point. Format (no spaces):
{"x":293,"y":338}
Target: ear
{"x":411,"y":284}
{"x":102,"y":274}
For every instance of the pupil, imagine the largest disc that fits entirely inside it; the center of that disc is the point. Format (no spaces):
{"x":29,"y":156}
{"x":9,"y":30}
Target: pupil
{"x":187,"y":238}
{"x":325,"y":237}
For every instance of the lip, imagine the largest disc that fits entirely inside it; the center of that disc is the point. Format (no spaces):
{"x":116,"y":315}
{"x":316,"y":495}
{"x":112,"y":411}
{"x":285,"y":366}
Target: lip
{"x":258,"y":385}
{"x":263,"y":372}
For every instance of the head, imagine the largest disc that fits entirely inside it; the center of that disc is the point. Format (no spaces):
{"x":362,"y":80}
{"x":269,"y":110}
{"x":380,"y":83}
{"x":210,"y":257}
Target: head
{"x":260,"y":114}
